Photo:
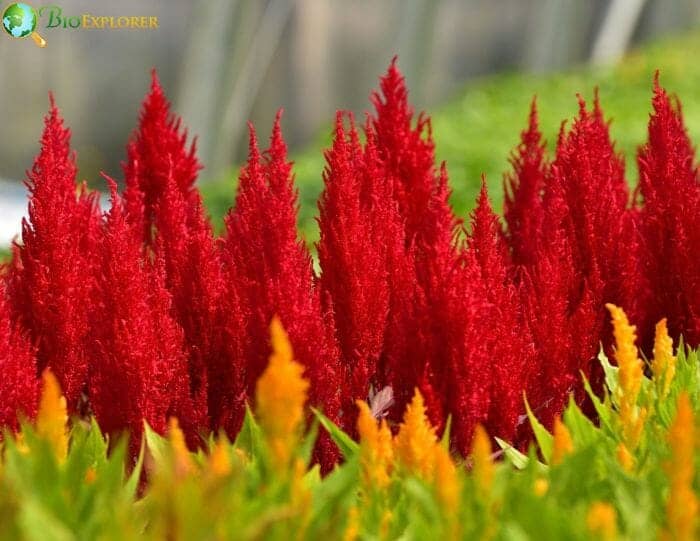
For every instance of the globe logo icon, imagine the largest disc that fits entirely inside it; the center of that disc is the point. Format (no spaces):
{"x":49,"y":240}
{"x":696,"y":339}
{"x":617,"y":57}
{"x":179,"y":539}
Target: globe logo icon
{"x":19,"y":20}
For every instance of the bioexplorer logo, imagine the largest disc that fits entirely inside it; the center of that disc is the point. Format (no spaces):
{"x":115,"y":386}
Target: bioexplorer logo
{"x":21,"y":20}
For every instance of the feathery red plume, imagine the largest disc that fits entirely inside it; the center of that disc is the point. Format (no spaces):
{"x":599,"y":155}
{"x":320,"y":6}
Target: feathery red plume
{"x":51,"y":280}
{"x":269,"y":271}
{"x":139,"y":369}
{"x":158,"y":150}
{"x":522,"y":207}
{"x":668,"y":182}
{"x":19,"y":384}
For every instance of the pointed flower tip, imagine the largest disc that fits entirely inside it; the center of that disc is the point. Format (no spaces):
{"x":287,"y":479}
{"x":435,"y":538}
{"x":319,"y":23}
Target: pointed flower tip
{"x":482,"y":464}
{"x":375,"y":447}
{"x":52,"y":417}
{"x":562,"y":445}
{"x":183,"y":460}
{"x":156,"y":87}
{"x":663,"y":366}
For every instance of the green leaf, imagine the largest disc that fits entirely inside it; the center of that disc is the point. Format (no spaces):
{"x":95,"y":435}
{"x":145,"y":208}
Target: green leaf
{"x":38,"y":523}
{"x":603,"y":410}
{"x":612,"y":379}
{"x":583,"y":431}
{"x":345,"y":443}
{"x":157,"y":444}
{"x":250,"y":438}
{"x":132,"y":482}
{"x":516,"y":458}
{"x":544,"y":438}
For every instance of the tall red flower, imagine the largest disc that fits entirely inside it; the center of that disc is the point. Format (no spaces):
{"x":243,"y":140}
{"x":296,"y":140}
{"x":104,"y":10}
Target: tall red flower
{"x":408,"y":150}
{"x":668,"y":183}
{"x":160,"y":196}
{"x":523,"y":187}
{"x":424,"y":277}
{"x":139,"y":370}
{"x":51,"y":280}
{"x":510,"y":349}
{"x":592,"y":176}
{"x":19,"y":384}
{"x":157,"y":151}
{"x":185,"y":245}
{"x":269,"y":271}
{"x":360,"y":235}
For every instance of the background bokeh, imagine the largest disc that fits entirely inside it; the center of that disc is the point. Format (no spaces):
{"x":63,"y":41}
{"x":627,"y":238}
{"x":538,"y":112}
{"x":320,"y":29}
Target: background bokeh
{"x":475,"y":64}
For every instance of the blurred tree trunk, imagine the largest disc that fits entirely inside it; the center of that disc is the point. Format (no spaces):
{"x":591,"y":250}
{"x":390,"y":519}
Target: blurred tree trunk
{"x":201,"y":75}
{"x":247,"y":69}
{"x":621,"y":20}
{"x":557,"y":34}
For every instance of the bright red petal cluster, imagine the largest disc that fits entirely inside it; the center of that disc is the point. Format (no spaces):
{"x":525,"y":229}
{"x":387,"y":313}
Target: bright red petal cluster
{"x":144,"y":314}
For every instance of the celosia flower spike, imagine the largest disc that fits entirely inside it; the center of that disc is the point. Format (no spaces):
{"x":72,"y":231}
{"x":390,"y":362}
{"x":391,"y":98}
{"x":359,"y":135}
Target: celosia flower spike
{"x":280,"y":395}
{"x":483,"y":468}
{"x":562,"y":445}
{"x":414,"y":444}
{"x":630,"y":373}
{"x":664,"y":364}
{"x":522,"y":207}
{"x":158,"y":150}
{"x":52,"y":276}
{"x":19,"y":384}
{"x":376,"y":449}
{"x":52,"y":417}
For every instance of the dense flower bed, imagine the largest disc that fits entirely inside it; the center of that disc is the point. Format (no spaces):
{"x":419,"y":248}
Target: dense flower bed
{"x":143,"y":314}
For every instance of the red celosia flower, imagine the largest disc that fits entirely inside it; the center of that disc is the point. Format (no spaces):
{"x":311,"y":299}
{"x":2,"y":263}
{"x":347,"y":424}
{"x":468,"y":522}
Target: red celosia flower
{"x":157,"y":151}
{"x":269,"y":271}
{"x":424,"y":277}
{"x":360,"y":235}
{"x":668,"y":183}
{"x":19,"y":384}
{"x":184,"y":243}
{"x":51,"y":280}
{"x":139,"y":369}
{"x":407,"y":150}
{"x":593,"y":185}
{"x":522,"y":208}
{"x":160,"y":195}
{"x":510,"y":350}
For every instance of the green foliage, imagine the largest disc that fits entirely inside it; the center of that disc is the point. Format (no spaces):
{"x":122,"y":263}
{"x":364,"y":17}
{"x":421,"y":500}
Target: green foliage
{"x":476,"y":130}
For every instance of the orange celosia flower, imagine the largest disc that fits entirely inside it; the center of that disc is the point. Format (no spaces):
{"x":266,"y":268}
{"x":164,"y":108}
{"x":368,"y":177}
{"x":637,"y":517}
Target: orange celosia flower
{"x":376,"y":449}
{"x":664,"y":365}
{"x":563,"y":444}
{"x":630,"y":375}
{"x":280,"y":396}
{"x":625,"y":458}
{"x":183,"y":461}
{"x":446,"y":480}
{"x":540,"y":487}
{"x":414,"y":444}
{"x":482,"y":464}
{"x":219,"y":459}
{"x":52,"y":418}
{"x":353,"y":524}
{"x":601,"y":521}
{"x":682,"y":503}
